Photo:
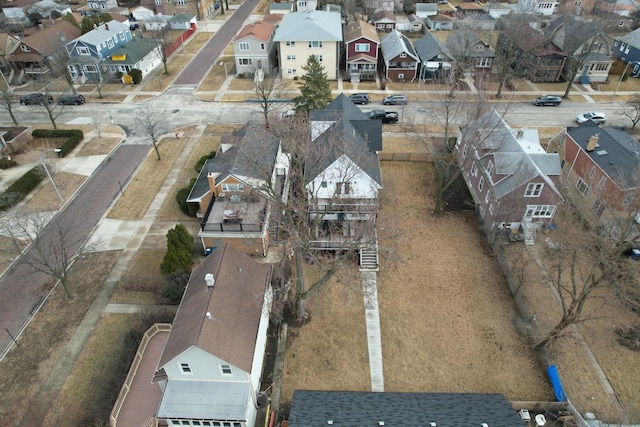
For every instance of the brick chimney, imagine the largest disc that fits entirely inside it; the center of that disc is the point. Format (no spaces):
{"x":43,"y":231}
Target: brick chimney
{"x":106,"y":26}
{"x":593,"y":141}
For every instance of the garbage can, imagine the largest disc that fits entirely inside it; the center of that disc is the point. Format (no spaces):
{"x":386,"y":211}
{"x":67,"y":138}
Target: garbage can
{"x":635,"y":254}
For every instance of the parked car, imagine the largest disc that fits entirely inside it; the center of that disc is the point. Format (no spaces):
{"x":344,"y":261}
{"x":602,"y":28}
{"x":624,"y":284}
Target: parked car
{"x":359,"y":98}
{"x":134,"y":27}
{"x":547,"y":100}
{"x":74,"y":99}
{"x":288,"y":113}
{"x":385,"y":116}
{"x":595,"y":117}
{"x":395,"y":100}
{"x":36,"y":99}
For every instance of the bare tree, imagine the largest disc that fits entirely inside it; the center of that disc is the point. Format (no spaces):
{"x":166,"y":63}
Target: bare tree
{"x":96,"y":124}
{"x":632,"y":110}
{"x":160,"y":34}
{"x":6,"y":103}
{"x":268,"y":90}
{"x":461,"y":44}
{"x":151,"y":124}
{"x":46,"y":244}
{"x":59,"y":65}
{"x":51,"y":108}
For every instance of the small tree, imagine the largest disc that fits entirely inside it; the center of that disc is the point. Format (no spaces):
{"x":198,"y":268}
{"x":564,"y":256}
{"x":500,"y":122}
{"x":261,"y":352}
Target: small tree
{"x":160,"y":34}
{"x":151,"y":125}
{"x":179,"y":256}
{"x":632,"y":110}
{"x":70,"y":19}
{"x":315,"y":92}
{"x":267,"y":88}
{"x":6,"y":103}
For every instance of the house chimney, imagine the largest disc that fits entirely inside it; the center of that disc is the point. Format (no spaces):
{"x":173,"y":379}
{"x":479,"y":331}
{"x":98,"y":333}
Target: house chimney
{"x":106,"y":26}
{"x":593,"y":141}
{"x":208,"y":314}
{"x":208,"y":278}
{"x":520,"y":134}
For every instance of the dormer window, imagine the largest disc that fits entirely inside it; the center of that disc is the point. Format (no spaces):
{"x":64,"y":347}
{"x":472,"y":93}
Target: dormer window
{"x":490,"y":168}
{"x":479,"y":48}
{"x":25,"y":48}
{"x":82,"y":50}
{"x":403,"y":55}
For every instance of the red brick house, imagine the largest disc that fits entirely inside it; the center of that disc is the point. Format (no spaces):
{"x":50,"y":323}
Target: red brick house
{"x":362,"y":42}
{"x":400,"y":58}
{"x":601,"y":165}
{"x":510,"y":176}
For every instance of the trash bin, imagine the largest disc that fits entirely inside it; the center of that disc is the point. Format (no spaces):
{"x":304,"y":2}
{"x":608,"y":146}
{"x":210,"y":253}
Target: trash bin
{"x":635,"y":254}
{"x":207,"y":251}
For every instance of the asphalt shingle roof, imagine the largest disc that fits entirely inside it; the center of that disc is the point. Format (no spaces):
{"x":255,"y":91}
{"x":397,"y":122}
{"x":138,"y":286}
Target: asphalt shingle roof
{"x":632,"y":39}
{"x":103,"y":32}
{"x":429,"y":47}
{"x":395,"y":43}
{"x":354,"y":408}
{"x":310,"y":25}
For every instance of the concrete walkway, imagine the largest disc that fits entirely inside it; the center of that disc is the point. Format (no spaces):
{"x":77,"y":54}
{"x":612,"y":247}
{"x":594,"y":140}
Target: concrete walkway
{"x":372,"y":319}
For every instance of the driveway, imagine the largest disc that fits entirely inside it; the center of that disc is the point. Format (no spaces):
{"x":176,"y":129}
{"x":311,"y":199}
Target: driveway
{"x":200,"y":65}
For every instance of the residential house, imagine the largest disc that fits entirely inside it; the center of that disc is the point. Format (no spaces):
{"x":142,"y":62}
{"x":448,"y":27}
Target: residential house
{"x":619,"y":7}
{"x":577,"y":7}
{"x":140,"y":53}
{"x":302,"y":5}
{"x":480,"y":21}
{"x":202,"y":9}
{"x":435,"y":58}
{"x":510,"y":176}
{"x":313,"y":32}
{"x":89,"y":50}
{"x":46,"y":7}
{"x":254,"y":48}
{"x":361,"y":46}
{"x":537,"y":57}
{"x":471,"y":51}
{"x":467,"y":9}
{"x":581,"y":40}
{"x":142,"y":13}
{"x":343,"y":184}
{"x":412,"y":24}
{"x":15,"y":19}
{"x":281,"y":8}
{"x":446,"y":9}
{"x":601,"y":165}
{"x":425,"y":10}
{"x":400,"y":58}
{"x":273,"y":18}
{"x":627,"y":49}
{"x":497,"y":10}
{"x":363,"y":408}
{"x":384,"y":21}
{"x":7,"y":43}
{"x":102,"y":5}
{"x":613,"y":22}
{"x":390,"y":6}
{"x":536,"y":7}
{"x":439,"y":22}
{"x":230,"y":191}
{"x":43,"y":53}
{"x":211,"y":365}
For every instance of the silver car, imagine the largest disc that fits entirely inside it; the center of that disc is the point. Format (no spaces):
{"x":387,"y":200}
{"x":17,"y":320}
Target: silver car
{"x":597,"y":118}
{"x":395,"y":100}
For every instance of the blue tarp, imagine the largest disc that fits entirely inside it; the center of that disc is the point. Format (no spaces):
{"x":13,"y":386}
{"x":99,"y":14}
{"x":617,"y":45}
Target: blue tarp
{"x":554,"y":377}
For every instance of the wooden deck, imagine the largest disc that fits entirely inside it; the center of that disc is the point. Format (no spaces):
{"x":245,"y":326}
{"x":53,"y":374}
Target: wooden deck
{"x":139,"y":399}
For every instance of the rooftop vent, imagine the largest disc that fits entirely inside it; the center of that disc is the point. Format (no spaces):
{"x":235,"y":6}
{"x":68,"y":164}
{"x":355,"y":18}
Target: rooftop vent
{"x":209,"y":316}
{"x":380,"y":423}
{"x":330,"y":422}
{"x":208,"y":278}
{"x":601,"y":152}
{"x":593,"y":142}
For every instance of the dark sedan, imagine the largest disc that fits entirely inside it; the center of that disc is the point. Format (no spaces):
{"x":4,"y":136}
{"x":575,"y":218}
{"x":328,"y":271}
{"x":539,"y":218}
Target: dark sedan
{"x":36,"y":99}
{"x":71,"y":100}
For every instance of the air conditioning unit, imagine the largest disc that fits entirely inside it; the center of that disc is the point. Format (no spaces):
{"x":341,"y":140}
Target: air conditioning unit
{"x":220,"y":195}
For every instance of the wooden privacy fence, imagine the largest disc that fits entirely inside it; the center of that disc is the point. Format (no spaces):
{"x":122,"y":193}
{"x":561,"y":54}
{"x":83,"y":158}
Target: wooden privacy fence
{"x":176,"y":44}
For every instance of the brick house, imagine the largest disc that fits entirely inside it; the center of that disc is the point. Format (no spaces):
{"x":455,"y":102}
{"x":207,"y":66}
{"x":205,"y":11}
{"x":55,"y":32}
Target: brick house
{"x":361,"y":45}
{"x":399,"y":57}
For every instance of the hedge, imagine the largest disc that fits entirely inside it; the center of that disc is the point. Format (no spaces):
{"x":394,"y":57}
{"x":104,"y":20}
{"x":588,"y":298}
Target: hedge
{"x":19,"y":189}
{"x":73,"y":138}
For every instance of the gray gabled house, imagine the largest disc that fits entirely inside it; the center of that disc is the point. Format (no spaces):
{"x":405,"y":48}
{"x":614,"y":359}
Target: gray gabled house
{"x":435,"y":58}
{"x":254,"y":48}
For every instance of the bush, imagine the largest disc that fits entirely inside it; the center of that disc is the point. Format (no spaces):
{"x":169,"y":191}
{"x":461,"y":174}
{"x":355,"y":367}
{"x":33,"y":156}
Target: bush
{"x":19,"y":189}
{"x":73,"y":138}
{"x":200,"y":163}
{"x":179,"y":256}
{"x":136,"y":76}
{"x":181,"y":198}
{"x":6,"y":163}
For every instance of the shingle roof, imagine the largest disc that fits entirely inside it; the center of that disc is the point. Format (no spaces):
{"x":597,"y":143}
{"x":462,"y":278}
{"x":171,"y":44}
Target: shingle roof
{"x":310,"y":25}
{"x":260,"y":30}
{"x":517,"y":161}
{"x":250,"y":138}
{"x":632,"y":39}
{"x":182,"y":17}
{"x":395,"y":43}
{"x":426,"y":7}
{"x":576,"y":32}
{"x":463,"y":42}
{"x":354,"y":408}
{"x":429,"y":47}
{"x":617,"y":153}
{"x":103,"y":32}
{"x":235,"y":302}
{"x":384,"y":15}
{"x":359,"y":137}
{"x":359,"y":29}
{"x":52,"y":39}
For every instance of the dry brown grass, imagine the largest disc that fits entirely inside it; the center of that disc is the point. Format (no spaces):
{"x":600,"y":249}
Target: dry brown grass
{"x":214,"y":79}
{"x":242,"y":84}
{"x":196,"y":42}
{"x":143,"y":276}
{"x":97,"y":147}
{"x":362,"y":86}
{"x":330,"y":352}
{"x":402,"y":144}
{"x":142,"y":189}
{"x":46,"y":199}
{"x":41,"y":344}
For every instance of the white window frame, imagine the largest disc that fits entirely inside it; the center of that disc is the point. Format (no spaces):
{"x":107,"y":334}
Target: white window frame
{"x":487,"y":197}
{"x":598,"y":208}
{"x":224,"y":368}
{"x":90,"y":68}
{"x":539,"y":211}
{"x":315,"y":45}
{"x":25,"y":48}
{"x":245,"y":61}
{"x":291,"y":57}
{"x":291,"y":71}
{"x":481,"y":183}
{"x":244,"y":46}
{"x":110,"y":43}
{"x":401,"y":76}
{"x":582,"y":187}
{"x":490,"y":168}
{"x":83,"y":50}
{"x":592,"y":172}
{"x":628,"y":199}
{"x":291,"y":43}
{"x":235,"y":188}
{"x":464,"y":150}
{"x":319,"y":58}
{"x":483,"y":62}
{"x":533,"y":190}
{"x":363,"y":47}
{"x":491,"y":209}
{"x":474,"y":169}
{"x":185,"y":368}
{"x":602,"y":182}
{"x":263,"y":46}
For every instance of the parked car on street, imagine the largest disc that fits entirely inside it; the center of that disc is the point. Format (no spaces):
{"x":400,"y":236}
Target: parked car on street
{"x":36,"y":99}
{"x":359,"y":98}
{"x":395,"y":100}
{"x":385,"y":116}
{"x":547,"y":100}
{"x":74,"y":99}
{"x":595,"y":117}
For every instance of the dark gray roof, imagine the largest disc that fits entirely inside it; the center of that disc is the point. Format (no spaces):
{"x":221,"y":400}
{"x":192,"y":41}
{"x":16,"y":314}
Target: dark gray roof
{"x":358,"y":409}
{"x":231,"y":158}
{"x":617,"y":153}
{"x":429,"y":47}
{"x":576,"y":32}
{"x":395,"y":43}
{"x":463,"y":41}
{"x":361,"y":137}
